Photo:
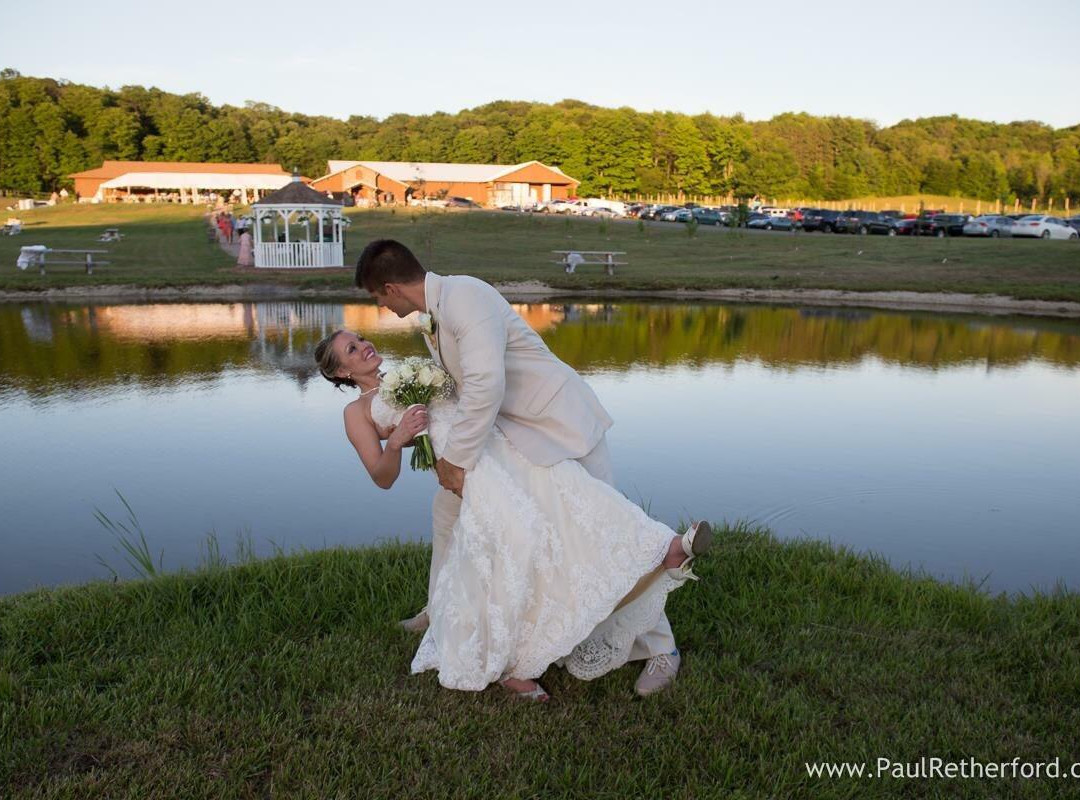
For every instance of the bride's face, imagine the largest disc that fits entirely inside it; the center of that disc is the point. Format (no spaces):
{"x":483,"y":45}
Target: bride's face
{"x":357,"y":357}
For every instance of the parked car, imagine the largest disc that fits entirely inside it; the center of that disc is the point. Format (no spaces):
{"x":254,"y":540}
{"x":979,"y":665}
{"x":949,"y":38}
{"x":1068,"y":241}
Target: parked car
{"x":820,"y":219}
{"x":882,"y":225}
{"x":855,"y":221}
{"x":1073,"y":222}
{"x":655,"y":212}
{"x":905,"y":227}
{"x":588,"y":204}
{"x":1044,"y":227}
{"x":992,"y":225}
{"x":709,"y":216}
{"x":461,"y":202}
{"x":559,"y":206}
{"x":941,"y":225}
{"x":765,"y":222}
{"x":679,"y":215}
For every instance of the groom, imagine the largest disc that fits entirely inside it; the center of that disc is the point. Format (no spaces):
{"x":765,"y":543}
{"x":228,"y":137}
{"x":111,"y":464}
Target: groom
{"x":506,"y":377}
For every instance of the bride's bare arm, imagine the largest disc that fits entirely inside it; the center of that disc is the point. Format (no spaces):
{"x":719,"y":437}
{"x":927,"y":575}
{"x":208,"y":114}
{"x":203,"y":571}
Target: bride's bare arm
{"x":382,"y":464}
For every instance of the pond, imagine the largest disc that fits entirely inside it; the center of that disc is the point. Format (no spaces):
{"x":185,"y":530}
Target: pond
{"x":949,"y":444}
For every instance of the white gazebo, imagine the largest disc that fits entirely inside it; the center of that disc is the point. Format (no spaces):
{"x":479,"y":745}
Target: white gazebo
{"x":298,"y":203}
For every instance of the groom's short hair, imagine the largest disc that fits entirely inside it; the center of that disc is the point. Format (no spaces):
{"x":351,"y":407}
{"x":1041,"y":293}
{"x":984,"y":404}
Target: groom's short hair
{"x":387,"y":261}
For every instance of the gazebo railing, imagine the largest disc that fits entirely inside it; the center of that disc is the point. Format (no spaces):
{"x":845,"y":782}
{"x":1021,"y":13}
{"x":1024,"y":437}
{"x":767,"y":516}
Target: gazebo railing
{"x":298,"y":255}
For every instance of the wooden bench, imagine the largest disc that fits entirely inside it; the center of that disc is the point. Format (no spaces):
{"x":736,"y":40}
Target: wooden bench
{"x":572,"y":259}
{"x":37,"y":256}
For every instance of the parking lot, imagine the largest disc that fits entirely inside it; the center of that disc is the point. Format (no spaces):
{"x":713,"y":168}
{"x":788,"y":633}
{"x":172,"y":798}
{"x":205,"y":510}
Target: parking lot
{"x":860,"y":222}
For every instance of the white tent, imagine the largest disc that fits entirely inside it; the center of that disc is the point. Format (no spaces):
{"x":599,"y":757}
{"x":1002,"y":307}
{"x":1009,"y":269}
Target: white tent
{"x":194,"y":182}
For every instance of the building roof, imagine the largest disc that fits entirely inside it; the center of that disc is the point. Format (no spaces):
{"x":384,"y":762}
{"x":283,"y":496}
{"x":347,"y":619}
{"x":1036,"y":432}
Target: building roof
{"x":339,"y":166}
{"x":296,"y":193}
{"x":197,"y":180}
{"x":113,"y":169}
{"x":409,"y":172}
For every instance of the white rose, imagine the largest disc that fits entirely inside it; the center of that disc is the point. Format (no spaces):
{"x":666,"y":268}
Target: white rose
{"x":392,"y":380}
{"x":426,"y":376}
{"x":439,"y":378}
{"x":426,"y":324}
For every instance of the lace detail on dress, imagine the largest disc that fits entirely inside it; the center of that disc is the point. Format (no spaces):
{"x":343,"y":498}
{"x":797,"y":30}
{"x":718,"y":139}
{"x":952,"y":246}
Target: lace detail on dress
{"x":538,"y":559}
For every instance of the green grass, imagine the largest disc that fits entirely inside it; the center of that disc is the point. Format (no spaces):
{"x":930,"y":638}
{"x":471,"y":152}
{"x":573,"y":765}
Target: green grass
{"x":163,"y":245}
{"x":288,"y":678}
{"x":166,"y":246}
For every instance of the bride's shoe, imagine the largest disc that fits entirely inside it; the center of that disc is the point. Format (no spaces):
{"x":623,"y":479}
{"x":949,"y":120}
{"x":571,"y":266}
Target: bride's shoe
{"x":536,"y":695}
{"x":417,"y":624}
{"x":696,"y":540}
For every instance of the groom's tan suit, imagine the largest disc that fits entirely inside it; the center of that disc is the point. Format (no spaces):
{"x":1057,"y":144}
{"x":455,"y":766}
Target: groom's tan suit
{"x":507,"y":377}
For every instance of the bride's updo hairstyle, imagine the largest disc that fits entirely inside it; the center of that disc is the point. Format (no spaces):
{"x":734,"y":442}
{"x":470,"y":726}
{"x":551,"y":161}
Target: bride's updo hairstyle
{"x":328,"y":362}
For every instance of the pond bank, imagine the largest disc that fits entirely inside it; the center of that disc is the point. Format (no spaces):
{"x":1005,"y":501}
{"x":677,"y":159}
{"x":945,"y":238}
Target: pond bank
{"x":289,"y":676}
{"x":533,"y":291}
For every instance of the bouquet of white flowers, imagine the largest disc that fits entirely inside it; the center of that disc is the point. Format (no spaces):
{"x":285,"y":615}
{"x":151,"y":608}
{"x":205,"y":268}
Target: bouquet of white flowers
{"x":417,"y":381}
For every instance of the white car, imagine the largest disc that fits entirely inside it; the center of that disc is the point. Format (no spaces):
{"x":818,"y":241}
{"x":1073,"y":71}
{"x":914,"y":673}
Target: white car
{"x":556,"y":207}
{"x":615,"y":207}
{"x":1044,"y":227}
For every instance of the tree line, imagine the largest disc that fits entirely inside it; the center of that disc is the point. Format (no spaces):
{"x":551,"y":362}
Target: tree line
{"x":50,"y":128}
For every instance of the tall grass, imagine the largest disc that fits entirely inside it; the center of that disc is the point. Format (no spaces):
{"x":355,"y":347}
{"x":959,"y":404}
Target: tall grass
{"x":130,"y":541}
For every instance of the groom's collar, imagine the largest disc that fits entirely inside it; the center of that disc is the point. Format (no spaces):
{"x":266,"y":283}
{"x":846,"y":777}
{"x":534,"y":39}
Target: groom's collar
{"x":432,"y":291}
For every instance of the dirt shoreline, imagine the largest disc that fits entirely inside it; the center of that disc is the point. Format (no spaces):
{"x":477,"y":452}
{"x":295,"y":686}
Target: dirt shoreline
{"x":535,"y":291}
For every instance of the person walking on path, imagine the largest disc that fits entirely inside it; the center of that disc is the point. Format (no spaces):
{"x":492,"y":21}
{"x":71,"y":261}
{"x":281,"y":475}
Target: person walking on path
{"x":246,"y":257}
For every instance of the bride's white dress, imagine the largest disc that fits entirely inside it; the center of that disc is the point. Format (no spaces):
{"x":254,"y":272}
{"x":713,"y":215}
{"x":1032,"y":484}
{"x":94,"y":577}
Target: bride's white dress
{"x":539,"y":559}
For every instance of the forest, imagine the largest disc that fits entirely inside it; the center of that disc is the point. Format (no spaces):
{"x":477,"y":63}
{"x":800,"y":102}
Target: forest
{"x":51,"y":128}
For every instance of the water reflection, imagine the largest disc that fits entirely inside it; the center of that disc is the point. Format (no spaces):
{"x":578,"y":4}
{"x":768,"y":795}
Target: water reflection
{"x":51,"y":348}
{"x":949,"y":442}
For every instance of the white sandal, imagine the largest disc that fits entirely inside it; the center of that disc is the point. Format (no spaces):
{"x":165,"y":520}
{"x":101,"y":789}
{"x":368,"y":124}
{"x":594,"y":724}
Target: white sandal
{"x":697,"y":540}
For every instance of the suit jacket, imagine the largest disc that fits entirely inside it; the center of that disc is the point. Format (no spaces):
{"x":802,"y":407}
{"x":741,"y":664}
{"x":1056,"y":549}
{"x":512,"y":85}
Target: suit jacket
{"x":507,"y":376}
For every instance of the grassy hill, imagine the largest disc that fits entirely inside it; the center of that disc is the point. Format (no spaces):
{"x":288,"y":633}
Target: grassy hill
{"x":288,"y":677}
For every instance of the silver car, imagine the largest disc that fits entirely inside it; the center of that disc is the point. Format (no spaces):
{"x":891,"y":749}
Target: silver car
{"x":989,"y":225}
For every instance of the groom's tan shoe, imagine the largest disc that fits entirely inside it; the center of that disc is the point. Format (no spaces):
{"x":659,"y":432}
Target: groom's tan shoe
{"x":417,"y":624}
{"x":659,"y":673}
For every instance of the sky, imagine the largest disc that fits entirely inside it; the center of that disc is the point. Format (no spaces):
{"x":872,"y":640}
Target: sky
{"x":995,"y":60}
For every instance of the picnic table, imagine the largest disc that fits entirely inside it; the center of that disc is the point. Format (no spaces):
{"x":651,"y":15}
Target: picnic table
{"x":572,"y":259}
{"x":35,"y":255}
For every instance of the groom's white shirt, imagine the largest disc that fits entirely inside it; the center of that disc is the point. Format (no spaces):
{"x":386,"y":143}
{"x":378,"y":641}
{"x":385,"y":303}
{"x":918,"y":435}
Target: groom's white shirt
{"x":507,"y":377}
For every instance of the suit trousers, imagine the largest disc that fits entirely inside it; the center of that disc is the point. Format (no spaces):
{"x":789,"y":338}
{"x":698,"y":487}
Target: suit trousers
{"x":597,"y":462}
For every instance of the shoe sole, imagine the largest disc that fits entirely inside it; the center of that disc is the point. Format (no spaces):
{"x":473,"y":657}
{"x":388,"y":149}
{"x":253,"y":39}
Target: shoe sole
{"x":703,"y":538}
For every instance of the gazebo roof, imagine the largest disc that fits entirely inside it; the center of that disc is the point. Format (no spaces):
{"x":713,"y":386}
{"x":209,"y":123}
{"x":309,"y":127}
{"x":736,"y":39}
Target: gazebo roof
{"x":296,"y":193}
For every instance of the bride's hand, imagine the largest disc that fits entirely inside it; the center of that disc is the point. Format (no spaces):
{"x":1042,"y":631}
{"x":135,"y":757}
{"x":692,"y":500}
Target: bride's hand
{"x":414,"y":420}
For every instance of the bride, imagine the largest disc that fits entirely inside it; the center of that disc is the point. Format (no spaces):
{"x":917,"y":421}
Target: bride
{"x":546,"y":564}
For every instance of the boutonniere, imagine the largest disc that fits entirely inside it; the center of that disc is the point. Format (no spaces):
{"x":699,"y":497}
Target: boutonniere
{"x":428,"y":324}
